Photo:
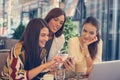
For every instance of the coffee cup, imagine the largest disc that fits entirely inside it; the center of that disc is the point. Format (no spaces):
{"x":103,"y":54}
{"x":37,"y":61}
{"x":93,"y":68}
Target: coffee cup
{"x":48,"y":77}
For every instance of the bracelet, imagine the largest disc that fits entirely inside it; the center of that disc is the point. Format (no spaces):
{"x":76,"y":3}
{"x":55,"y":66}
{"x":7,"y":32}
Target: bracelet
{"x":87,"y":55}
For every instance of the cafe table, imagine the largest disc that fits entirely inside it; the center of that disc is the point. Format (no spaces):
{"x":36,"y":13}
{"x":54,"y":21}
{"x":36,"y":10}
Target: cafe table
{"x":84,"y":77}
{"x":76,"y":79}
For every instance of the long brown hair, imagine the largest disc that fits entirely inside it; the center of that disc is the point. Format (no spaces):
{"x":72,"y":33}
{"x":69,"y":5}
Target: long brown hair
{"x":30,"y":40}
{"x":93,"y":47}
{"x":53,"y":14}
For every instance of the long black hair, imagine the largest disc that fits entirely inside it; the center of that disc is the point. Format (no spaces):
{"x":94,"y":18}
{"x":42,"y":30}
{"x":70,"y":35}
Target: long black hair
{"x":93,"y":47}
{"x":30,"y":42}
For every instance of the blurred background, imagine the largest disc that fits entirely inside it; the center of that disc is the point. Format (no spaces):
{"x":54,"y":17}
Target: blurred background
{"x":15,"y":14}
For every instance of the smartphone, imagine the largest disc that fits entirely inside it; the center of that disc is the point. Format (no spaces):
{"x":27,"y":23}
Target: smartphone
{"x":70,"y":61}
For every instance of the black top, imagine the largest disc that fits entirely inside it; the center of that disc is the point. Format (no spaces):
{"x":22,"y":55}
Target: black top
{"x":48,"y":46}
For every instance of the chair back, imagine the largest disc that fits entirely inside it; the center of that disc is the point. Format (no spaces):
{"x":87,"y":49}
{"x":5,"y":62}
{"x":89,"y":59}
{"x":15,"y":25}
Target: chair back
{"x":3,"y":58}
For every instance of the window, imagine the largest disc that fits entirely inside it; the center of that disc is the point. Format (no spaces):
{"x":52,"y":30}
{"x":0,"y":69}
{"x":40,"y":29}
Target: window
{"x":108,"y":14}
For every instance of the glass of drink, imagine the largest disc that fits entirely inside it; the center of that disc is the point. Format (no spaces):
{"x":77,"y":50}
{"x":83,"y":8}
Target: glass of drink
{"x":60,"y":74}
{"x":79,"y":70}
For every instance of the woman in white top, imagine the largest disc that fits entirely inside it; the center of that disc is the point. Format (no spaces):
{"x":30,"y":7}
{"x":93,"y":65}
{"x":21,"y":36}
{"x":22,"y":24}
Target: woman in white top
{"x":55,"y":19}
{"x":85,"y":49}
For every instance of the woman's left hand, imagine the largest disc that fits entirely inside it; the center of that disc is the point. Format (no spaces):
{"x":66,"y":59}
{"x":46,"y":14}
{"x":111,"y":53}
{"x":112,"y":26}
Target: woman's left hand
{"x":90,"y":42}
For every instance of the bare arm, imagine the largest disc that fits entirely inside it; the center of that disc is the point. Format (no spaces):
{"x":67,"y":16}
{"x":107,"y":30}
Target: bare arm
{"x":88,"y":58}
{"x":33,"y":72}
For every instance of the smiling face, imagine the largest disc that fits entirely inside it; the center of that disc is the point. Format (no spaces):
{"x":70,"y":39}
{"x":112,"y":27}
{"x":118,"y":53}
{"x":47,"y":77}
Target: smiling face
{"x":56,"y":23}
{"x":89,"y":31}
{"x":43,"y":36}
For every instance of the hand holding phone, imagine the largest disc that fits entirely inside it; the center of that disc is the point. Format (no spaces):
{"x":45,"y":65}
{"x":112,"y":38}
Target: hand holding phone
{"x":69,"y":60}
{"x":68,"y":63}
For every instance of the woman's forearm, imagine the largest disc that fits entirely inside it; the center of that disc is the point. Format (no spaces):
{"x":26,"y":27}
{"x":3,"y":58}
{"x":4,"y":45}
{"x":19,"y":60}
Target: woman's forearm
{"x":35,"y":71}
{"x":88,"y":58}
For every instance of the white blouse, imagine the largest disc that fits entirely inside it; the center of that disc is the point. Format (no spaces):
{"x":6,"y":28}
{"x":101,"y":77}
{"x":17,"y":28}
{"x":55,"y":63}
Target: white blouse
{"x":56,"y":46}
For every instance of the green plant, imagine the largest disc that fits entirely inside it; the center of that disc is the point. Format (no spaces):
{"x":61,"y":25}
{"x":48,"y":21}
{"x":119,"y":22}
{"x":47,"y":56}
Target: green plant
{"x":18,"y":31}
{"x":69,"y":31}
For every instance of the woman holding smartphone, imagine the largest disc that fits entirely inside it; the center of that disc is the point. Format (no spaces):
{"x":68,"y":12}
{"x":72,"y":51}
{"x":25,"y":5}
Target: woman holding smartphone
{"x":27,"y":59}
{"x":85,"y":49}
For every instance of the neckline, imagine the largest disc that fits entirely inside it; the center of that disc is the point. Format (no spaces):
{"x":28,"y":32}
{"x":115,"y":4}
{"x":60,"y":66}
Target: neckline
{"x":80,"y":45}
